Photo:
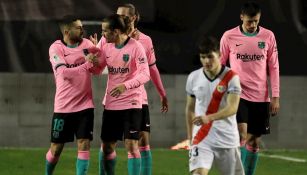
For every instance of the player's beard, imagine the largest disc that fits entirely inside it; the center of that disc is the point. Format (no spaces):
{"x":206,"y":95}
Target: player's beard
{"x":77,"y":39}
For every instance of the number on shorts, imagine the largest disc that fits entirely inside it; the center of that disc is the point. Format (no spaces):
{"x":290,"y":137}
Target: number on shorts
{"x":58,"y":124}
{"x":193,"y":151}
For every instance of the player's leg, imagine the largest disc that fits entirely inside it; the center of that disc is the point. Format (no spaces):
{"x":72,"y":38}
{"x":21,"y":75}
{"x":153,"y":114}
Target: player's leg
{"x":83,"y":157}
{"x":52,"y":157}
{"x":111,"y":131}
{"x":132,"y":126}
{"x":228,"y":161}
{"x":61,"y":132}
{"x":107,"y":158}
{"x":200,"y":171}
{"x":242,"y":120}
{"x":258,"y":125}
{"x":84,"y":123}
{"x":134,"y":156}
{"x":146,"y":157}
{"x":252,"y":148}
{"x":200,"y":160}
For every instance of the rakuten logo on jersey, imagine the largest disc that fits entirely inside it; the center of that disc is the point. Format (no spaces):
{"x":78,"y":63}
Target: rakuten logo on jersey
{"x":116,"y":70}
{"x":247,"y":58}
{"x":73,"y":65}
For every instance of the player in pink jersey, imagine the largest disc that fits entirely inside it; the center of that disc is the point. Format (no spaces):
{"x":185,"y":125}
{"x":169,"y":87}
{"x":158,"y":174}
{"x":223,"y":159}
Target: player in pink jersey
{"x":212,"y":102}
{"x":252,"y":52}
{"x":129,"y":10}
{"x":72,"y":65}
{"x":128,"y":70}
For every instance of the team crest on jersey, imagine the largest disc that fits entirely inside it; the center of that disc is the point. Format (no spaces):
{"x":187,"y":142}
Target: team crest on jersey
{"x":126,"y":57}
{"x":261,"y":44}
{"x":221,"y":88}
{"x":56,"y":58}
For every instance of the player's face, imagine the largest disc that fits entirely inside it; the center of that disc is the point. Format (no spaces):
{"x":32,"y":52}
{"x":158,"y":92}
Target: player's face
{"x":249,"y":23}
{"x":124,"y":11}
{"x":210,"y":61}
{"x":107,"y":33}
{"x":75,"y":32}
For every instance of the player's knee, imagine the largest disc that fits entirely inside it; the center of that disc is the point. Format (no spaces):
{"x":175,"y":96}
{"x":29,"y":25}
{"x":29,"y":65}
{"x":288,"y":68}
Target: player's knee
{"x":108,"y":148}
{"x":200,"y":171}
{"x":83,"y":144}
{"x":134,"y":153}
{"x":144,"y":139}
{"x":56,"y":149}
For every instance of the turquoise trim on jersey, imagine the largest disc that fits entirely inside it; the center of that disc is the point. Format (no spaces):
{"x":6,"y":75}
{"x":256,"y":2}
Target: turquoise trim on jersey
{"x":73,"y":46}
{"x":250,"y":34}
{"x":122,"y":45}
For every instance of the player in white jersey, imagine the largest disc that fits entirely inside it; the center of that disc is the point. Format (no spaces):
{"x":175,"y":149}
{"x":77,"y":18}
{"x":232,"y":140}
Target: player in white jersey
{"x":213,"y":94}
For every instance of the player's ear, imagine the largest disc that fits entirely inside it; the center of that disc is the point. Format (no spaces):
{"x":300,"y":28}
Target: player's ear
{"x":241,"y":17}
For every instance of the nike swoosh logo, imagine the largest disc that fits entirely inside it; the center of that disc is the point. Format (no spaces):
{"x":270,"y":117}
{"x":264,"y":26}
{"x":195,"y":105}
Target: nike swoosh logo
{"x":65,"y":55}
{"x":238,"y":45}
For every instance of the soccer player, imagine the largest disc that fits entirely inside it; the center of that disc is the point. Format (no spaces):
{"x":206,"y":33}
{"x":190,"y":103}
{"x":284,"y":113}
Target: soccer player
{"x":73,"y":105}
{"x":213,"y":95}
{"x":252,"y":52}
{"x":129,"y":10}
{"x":128,"y":71}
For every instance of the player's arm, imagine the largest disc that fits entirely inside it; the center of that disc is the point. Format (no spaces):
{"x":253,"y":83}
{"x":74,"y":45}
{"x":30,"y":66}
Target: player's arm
{"x":60,"y":67}
{"x":224,"y":49}
{"x":155,"y":75}
{"x":229,"y":110}
{"x":156,"y":79}
{"x":99,"y":63}
{"x":273,"y":66}
{"x":189,"y":115}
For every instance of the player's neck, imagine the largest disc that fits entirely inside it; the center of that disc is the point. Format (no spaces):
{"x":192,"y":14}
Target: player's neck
{"x":121,"y":41}
{"x":70,"y":43}
{"x":134,"y":33}
{"x":214,"y":72}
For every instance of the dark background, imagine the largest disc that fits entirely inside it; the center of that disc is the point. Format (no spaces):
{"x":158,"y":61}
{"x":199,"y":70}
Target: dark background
{"x":28,"y":28}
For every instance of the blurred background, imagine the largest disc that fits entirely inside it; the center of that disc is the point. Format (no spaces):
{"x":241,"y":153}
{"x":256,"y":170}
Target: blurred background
{"x":28,"y":28}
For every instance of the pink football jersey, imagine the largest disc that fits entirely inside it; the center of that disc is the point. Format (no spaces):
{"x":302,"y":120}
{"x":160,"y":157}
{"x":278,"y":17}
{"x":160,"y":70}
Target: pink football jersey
{"x":255,"y":59}
{"x":126,"y":65}
{"x":72,"y":77}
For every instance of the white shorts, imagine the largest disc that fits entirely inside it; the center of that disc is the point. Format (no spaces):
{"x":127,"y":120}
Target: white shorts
{"x":227,"y":160}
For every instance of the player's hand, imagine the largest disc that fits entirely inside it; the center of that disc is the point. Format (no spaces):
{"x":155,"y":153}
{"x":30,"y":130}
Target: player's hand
{"x":118,"y":90}
{"x":94,"y":39}
{"x":200,"y":120}
{"x":274,"y":106}
{"x":164,"y":105}
{"x":92,"y":58}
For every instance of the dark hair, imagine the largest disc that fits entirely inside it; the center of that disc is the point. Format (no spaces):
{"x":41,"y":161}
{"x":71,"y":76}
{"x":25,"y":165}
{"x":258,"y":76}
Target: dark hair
{"x":250,"y":8}
{"x":208,"y":44}
{"x":117,"y":22}
{"x":67,"y":21}
{"x":132,"y":11}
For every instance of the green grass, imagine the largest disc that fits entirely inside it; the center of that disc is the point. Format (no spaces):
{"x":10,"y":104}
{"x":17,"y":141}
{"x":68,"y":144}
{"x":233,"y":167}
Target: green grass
{"x":165,"y":162}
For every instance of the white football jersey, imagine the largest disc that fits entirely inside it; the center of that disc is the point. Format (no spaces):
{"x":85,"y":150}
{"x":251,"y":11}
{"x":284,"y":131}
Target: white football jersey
{"x":223,"y":133}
